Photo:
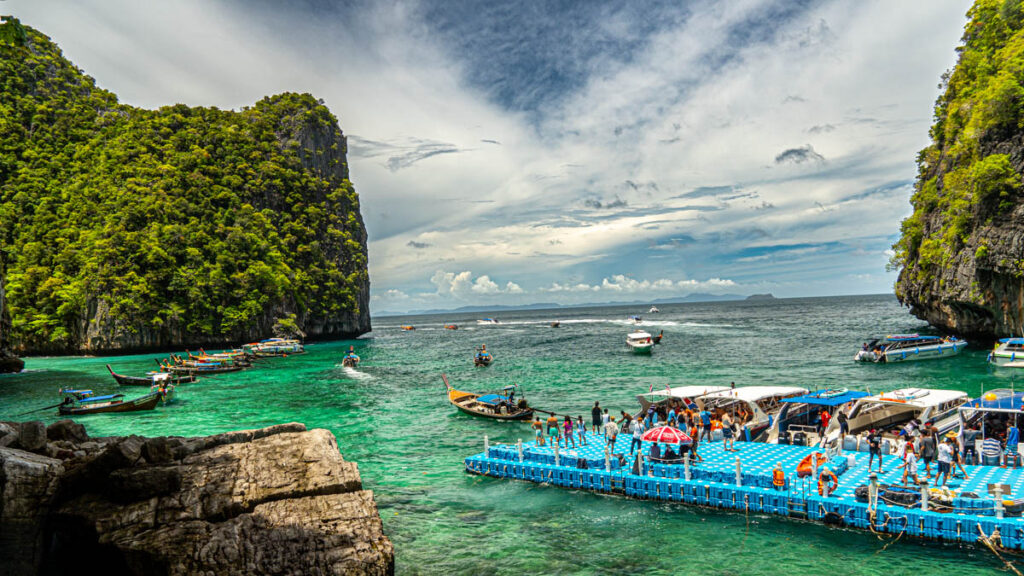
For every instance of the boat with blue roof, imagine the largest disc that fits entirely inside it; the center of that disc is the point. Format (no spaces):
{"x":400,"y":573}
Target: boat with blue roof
{"x":799,"y":421}
{"x":1006,"y":352}
{"x":81,"y":402}
{"x":893,"y":414}
{"x":909,"y":347}
{"x":503,"y":405}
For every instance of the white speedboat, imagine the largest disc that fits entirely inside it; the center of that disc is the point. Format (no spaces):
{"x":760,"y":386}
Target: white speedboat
{"x":640,"y":342}
{"x":799,"y":421}
{"x":686,"y":395}
{"x":635,"y":319}
{"x":908,"y":347}
{"x":487,"y":321}
{"x":762,"y":402}
{"x":1009,"y":353}
{"x":653,"y":310}
{"x":889,"y":412}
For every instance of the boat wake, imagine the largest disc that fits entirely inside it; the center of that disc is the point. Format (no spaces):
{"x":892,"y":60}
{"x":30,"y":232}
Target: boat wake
{"x":354,"y":373}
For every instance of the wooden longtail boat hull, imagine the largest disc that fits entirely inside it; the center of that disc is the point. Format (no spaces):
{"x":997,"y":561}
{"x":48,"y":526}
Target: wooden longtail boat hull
{"x":466,"y":402}
{"x":147,"y":402}
{"x":202,"y":371}
{"x":144,"y":381}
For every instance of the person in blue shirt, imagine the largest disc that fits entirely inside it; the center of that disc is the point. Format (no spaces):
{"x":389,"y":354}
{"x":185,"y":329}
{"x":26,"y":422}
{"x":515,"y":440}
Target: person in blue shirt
{"x":672,"y":416}
{"x":705,"y":424}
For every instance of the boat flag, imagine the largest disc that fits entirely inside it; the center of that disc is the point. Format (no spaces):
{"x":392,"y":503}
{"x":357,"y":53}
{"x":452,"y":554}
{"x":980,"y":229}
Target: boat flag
{"x":668,"y":389}
{"x":651,"y":390}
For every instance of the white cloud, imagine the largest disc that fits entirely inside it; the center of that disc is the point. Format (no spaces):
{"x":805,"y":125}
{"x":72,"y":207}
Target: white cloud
{"x":691,"y":108}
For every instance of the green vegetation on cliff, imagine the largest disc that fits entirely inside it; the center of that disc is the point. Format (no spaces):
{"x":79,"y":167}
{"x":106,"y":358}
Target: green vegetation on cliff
{"x":969,"y":175}
{"x":195,"y":222}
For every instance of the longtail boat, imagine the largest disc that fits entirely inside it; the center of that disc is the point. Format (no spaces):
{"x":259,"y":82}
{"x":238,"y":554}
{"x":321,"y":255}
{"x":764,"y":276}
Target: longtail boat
{"x":351,"y":360}
{"x":274,"y":347}
{"x":80,"y":402}
{"x":148,"y":379}
{"x":178,"y":366}
{"x":498,"y":406}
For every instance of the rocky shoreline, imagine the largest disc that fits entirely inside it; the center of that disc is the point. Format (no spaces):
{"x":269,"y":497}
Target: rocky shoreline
{"x":276,"y":500}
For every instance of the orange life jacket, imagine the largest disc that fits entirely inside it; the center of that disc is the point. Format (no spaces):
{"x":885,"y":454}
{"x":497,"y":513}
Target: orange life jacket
{"x":778,"y":477}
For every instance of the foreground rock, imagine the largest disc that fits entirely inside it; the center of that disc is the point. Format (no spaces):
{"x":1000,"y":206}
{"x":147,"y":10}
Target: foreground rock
{"x":278,"y":500}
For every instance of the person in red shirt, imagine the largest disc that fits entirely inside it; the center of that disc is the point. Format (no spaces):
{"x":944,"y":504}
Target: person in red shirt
{"x":825,"y":417}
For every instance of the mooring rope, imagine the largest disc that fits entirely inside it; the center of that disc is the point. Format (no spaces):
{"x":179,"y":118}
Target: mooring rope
{"x":987,"y":541}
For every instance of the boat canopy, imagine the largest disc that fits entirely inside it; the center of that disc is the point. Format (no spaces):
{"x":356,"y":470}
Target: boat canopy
{"x":687,"y":391}
{"x":638,"y":335}
{"x":755,"y":393}
{"x":997,"y":401}
{"x":919,"y":397}
{"x":101,"y":398}
{"x":493,"y":399}
{"x":65,"y":391}
{"x":829,"y":398}
{"x":1017,"y":341}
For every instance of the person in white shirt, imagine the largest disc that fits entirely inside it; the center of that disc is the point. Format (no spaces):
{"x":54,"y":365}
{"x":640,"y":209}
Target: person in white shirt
{"x":909,"y":463}
{"x":945,"y":459}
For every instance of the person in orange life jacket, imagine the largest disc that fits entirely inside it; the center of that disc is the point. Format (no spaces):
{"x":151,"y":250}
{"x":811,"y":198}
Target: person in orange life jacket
{"x":827,"y":477}
{"x":778,"y":477}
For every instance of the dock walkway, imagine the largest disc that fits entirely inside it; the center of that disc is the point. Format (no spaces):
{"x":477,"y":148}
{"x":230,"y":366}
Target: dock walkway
{"x":714,"y":483}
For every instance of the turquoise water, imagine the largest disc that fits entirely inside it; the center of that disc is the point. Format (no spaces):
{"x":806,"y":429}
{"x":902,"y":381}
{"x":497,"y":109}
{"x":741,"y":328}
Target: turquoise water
{"x":392,"y":418}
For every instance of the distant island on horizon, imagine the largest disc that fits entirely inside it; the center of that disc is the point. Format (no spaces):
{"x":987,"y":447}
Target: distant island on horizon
{"x":689,"y":299}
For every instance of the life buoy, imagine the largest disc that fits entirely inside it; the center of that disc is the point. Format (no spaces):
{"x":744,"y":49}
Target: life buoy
{"x":827,"y":477}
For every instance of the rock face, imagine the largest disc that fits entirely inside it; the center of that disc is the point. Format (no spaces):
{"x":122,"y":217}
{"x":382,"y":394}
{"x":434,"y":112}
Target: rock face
{"x":8,"y":362}
{"x":961,"y":254}
{"x":279,"y":500}
{"x":130,"y":230}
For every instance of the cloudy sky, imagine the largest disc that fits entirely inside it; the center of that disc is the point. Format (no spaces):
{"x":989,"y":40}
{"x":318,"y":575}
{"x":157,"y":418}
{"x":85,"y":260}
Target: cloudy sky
{"x":573,"y":151}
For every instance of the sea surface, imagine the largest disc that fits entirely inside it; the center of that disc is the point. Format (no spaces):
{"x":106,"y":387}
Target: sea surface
{"x":391,"y":416}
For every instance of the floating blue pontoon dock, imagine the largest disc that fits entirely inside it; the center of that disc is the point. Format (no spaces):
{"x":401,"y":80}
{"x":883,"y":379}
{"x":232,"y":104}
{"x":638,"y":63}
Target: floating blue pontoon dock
{"x":720,"y":482}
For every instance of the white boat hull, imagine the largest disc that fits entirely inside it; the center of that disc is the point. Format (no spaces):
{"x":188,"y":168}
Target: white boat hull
{"x":914,"y":354}
{"x":640,"y":348}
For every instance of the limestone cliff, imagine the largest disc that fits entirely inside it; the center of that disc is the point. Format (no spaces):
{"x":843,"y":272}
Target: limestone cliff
{"x":8,"y":362}
{"x":961,"y":253}
{"x":130,"y":229}
{"x":280,"y":500}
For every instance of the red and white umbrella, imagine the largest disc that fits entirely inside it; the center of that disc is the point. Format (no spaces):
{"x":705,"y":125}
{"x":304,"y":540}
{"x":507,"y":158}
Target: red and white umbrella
{"x":667,"y":435}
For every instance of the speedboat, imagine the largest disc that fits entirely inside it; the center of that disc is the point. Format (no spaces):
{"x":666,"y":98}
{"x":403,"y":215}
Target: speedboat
{"x":451,"y":326}
{"x":1005,"y":353}
{"x":635,"y":319}
{"x":907,"y":347}
{"x":798,"y":421}
{"x":486,"y":321}
{"x":653,"y":310}
{"x":686,"y":395}
{"x":761,"y":402}
{"x":994,"y":414}
{"x":640,"y":342}
{"x":890,"y":411}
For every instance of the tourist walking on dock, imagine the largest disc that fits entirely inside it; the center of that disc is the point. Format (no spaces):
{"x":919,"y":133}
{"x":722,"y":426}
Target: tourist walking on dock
{"x":844,"y":426}
{"x":567,"y":427}
{"x":538,"y":430}
{"x":705,"y":424}
{"x":909,"y":462}
{"x":928,"y":450}
{"x":553,"y":429}
{"x":728,"y":432}
{"x":945,"y":458}
{"x":611,"y":430}
{"x":605,"y":419}
{"x":582,"y":430}
{"x":638,"y":434}
{"x":595,"y":417}
{"x":874,"y":449}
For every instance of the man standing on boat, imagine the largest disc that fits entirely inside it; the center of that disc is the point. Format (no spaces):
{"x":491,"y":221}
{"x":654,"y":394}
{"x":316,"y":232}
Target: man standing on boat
{"x":874,"y":448}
